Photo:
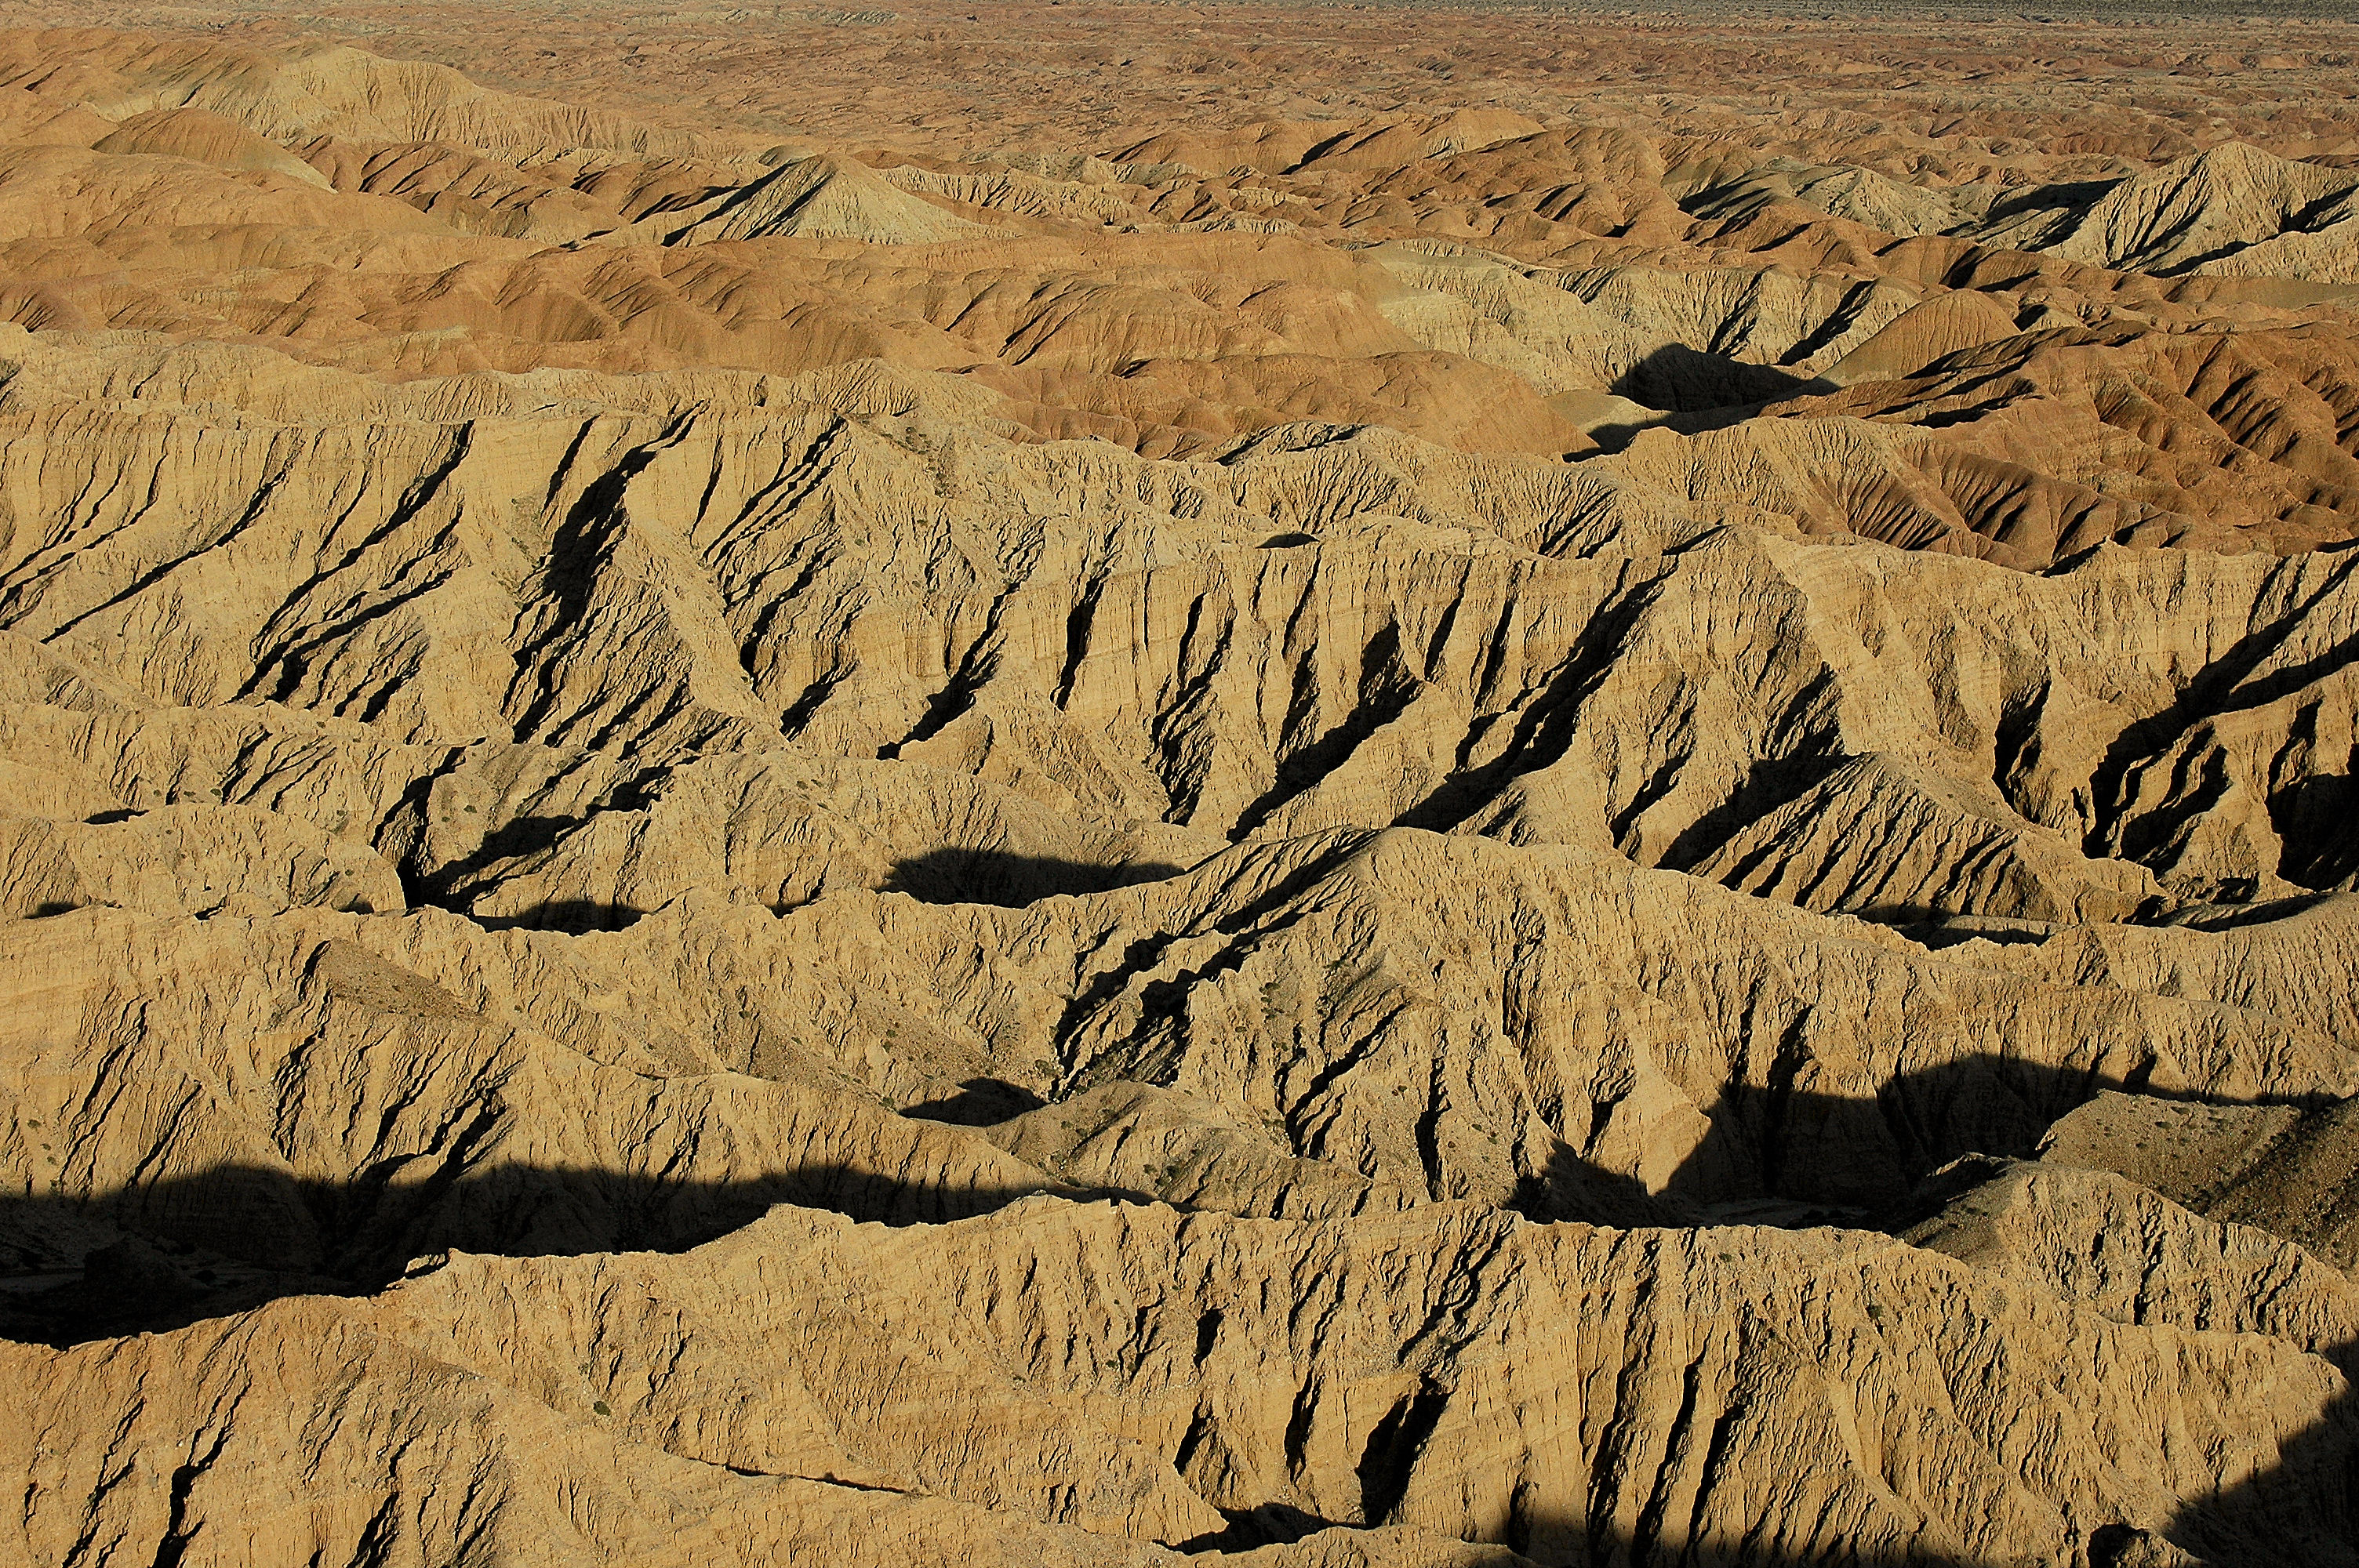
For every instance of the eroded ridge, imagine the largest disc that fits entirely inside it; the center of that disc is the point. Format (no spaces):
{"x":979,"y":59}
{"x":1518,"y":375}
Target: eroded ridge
{"x":1529,"y":804}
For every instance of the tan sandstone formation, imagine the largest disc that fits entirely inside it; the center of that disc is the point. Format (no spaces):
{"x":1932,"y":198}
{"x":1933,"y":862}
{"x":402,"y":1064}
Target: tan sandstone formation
{"x":1526,"y":799}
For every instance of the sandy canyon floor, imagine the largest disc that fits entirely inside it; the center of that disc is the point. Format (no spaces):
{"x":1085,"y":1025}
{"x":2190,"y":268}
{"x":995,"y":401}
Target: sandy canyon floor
{"x":1084,"y":784}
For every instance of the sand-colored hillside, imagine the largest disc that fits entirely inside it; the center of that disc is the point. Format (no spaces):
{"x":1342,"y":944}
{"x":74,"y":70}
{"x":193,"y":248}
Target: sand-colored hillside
{"x":1101,"y":784}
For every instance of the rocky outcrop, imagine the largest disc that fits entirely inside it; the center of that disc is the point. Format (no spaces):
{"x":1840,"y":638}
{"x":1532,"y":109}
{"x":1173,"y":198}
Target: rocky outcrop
{"x":2275,"y":1166}
{"x":1477,"y":838}
{"x":2129,"y":1253}
{"x":1408,"y":1372}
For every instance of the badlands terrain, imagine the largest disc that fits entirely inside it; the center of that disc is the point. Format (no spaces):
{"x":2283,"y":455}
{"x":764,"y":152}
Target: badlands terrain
{"x":1080,"y":784}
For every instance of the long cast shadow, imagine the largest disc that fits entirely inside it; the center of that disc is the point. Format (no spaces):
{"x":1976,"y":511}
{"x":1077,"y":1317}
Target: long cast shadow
{"x":1864,"y":1156}
{"x":165,"y":1254}
{"x":2303,"y":1510}
{"x":1685,"y":380}
{"x":955,"y":875}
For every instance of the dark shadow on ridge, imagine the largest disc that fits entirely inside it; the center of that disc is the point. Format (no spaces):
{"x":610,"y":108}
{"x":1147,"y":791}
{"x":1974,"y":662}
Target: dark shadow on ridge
{"x":512,"y":839}
{"x":1681,"y":380}
{"x":995,"y":876}
{"x":162,"y":1256}
{"x":176,"y":1252}
{"x":575,"y":915}
{"x":1386,"y":688}
{"x":2314,"y":818}
{"x":1862,"y":1158}
{"x":2286,"y":1512}
{"x":1776,"y":1154}
{"x":980,"y":1102}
